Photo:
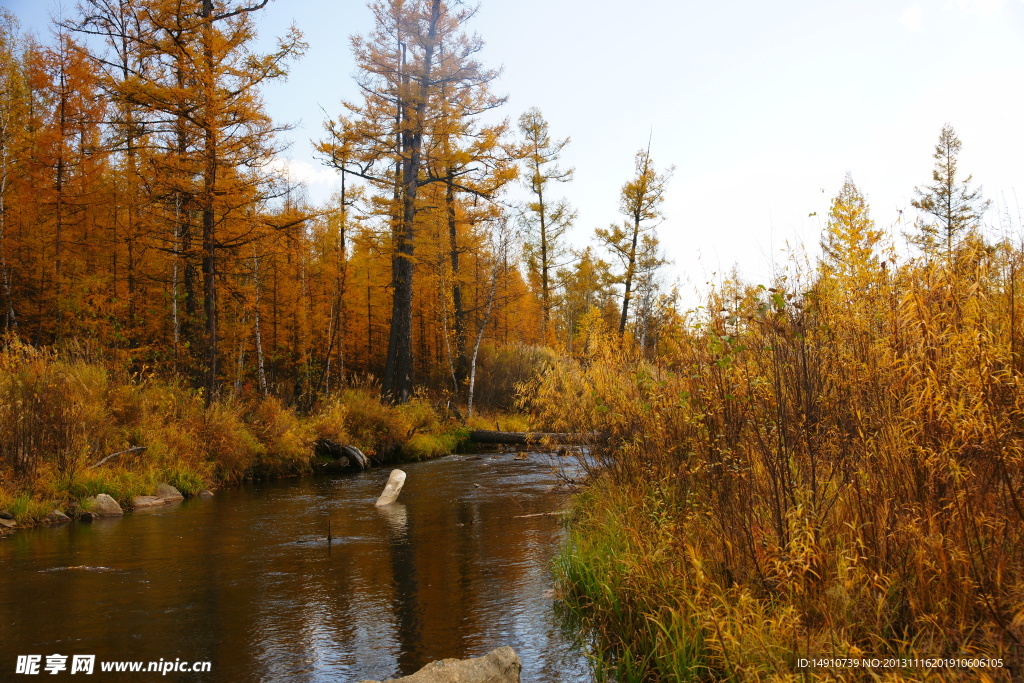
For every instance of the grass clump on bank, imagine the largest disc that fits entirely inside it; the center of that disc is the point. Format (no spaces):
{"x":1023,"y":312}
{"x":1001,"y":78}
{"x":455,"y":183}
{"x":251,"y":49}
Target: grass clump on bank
{"x":62,"y":413}
{"x":829,"y":467}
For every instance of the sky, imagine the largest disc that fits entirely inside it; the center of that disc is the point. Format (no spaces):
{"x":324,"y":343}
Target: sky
{"x":762,"y":108}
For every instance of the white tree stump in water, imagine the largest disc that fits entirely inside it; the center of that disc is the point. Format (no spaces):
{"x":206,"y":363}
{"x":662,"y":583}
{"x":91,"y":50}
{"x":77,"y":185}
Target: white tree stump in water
{"x":392,"y":489}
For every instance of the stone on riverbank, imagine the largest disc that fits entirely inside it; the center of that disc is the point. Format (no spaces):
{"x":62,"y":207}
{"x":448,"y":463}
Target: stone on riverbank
{"x":147,"y":501}
{"x":392,"y":489}
{"x":168,"y":492}
{"x":499,"y":666}
{"x":103,"y":505}
{"x":7,"y":523}
{"x":4,"y":514}
{"x":57,"y":517}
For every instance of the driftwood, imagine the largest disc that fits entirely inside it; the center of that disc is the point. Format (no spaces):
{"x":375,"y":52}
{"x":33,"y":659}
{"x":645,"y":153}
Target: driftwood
{"x":133,"y":449}
{"x":344,"y":457}
{"x":492,"y":437}
{"x":543,"y":514}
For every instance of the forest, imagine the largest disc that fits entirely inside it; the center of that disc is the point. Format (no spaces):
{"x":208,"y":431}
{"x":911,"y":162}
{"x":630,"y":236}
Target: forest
{"x":829,"y":462}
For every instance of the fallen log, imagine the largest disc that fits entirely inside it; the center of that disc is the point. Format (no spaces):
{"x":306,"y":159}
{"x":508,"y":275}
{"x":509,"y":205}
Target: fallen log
{"x":493,"y":437}
{"x":543,"y":514}
{"x":133,"y":449}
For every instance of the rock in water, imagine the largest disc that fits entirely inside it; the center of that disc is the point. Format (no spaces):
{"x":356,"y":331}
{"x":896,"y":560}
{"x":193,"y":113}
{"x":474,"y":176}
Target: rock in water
{"x":105,"y":506}
{"x":7,"y":523}
{"x":57,"y":517}
{"x":206,"y":493}
{"x":500,"y":666}
{"x":168,"y":492}
{"x":147,"y":501}
{"x":393,"y":488}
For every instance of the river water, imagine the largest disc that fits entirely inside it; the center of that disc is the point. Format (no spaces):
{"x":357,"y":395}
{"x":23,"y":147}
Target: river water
{"x":248,"y":582}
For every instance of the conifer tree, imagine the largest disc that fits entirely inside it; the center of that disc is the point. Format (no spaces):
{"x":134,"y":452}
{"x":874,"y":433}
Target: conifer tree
{"x":640,"y":202}
{"x":850,"y":239}
{"x":950,"y":207}
{"x":546,"y":218}
{"x":205,"y":87}
{"x":410,"y":67}
{"x":13,"y":108}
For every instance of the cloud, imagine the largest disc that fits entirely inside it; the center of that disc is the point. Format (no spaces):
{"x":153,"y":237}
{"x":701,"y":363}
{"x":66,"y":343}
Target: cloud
{"x":913,"y":16}
{"x":298,"y":170}
{"x":983,"y":7}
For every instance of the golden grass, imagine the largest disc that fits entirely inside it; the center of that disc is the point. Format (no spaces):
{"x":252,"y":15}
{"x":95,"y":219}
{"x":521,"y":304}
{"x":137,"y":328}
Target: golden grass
{"x":831,"y":466}
{"x":60,"y":413}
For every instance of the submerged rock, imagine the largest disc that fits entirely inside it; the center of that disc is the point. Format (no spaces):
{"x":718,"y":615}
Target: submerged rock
{"x":499,"y":666}
{"x":206,"y":493}
{"x":168,"y":492}
{"x":104,"y":506}
{"x":392,"y":489}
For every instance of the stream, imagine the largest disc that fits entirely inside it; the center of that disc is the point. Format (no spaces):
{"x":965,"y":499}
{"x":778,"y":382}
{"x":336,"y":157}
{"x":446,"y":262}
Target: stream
{"x":248,"y":582}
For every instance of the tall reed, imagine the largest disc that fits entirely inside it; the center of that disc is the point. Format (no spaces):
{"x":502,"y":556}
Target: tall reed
{"x":829,"y":466}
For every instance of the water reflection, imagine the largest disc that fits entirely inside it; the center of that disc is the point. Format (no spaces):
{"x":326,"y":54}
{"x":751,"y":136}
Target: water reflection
{"x":249,"y":581}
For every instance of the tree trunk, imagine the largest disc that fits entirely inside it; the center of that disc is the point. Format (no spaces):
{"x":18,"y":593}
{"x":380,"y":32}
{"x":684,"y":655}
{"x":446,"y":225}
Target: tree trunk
{"x":210,"y":158}
{"x":630,"y":270}
{"x":459,"y":312}
{"x":397,"y":383}
{"x":259,"y":337}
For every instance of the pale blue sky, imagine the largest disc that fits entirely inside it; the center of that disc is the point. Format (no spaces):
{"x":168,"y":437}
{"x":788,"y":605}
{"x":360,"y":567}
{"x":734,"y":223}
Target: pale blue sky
{"x":762,"y":107}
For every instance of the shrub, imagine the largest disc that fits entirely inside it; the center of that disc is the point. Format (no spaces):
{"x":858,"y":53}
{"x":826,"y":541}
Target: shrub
{"x":287,"y":443}
{"x":228,"y":442}
{"x":828,"y":466}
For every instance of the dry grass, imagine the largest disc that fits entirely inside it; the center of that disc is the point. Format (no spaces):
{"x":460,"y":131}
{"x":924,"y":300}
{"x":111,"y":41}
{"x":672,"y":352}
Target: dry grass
{"x":62,"y":412}
{"x":830,"y":466}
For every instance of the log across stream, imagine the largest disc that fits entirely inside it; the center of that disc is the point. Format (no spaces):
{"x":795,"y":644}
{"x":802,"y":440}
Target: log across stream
{"x":486,"y":436}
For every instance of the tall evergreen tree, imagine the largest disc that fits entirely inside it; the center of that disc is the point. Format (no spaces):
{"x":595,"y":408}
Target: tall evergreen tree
{"x":850,"y":240}
{"x":950,"y":207}
{"x":411,"y":68}
{"x":640,"y":202}
{"x":546,"y":218}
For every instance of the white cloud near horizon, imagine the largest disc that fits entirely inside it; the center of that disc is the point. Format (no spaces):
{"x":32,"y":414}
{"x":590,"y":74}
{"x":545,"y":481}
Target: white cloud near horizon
{"x":983,"y":7}
{"x":913,"y":17}
{"x":299,"y":170}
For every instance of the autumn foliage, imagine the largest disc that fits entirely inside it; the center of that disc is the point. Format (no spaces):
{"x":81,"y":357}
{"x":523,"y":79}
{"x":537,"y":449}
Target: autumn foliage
{"x":829,"y":466}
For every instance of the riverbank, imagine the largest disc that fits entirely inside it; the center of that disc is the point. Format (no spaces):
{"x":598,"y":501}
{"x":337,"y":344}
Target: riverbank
{"x":821,"y":472}
{"x":62,"y":417}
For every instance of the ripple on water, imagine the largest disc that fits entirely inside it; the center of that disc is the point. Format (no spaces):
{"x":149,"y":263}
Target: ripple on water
{"x":248,"y":581}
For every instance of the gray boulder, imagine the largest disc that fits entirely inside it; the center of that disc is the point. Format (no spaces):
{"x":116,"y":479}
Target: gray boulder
{"x":57,"y":517}
{"x":168,"y":492}
{"x":147,"y":501}
{"x":104,"y":506}
{"x":499,"y":666}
